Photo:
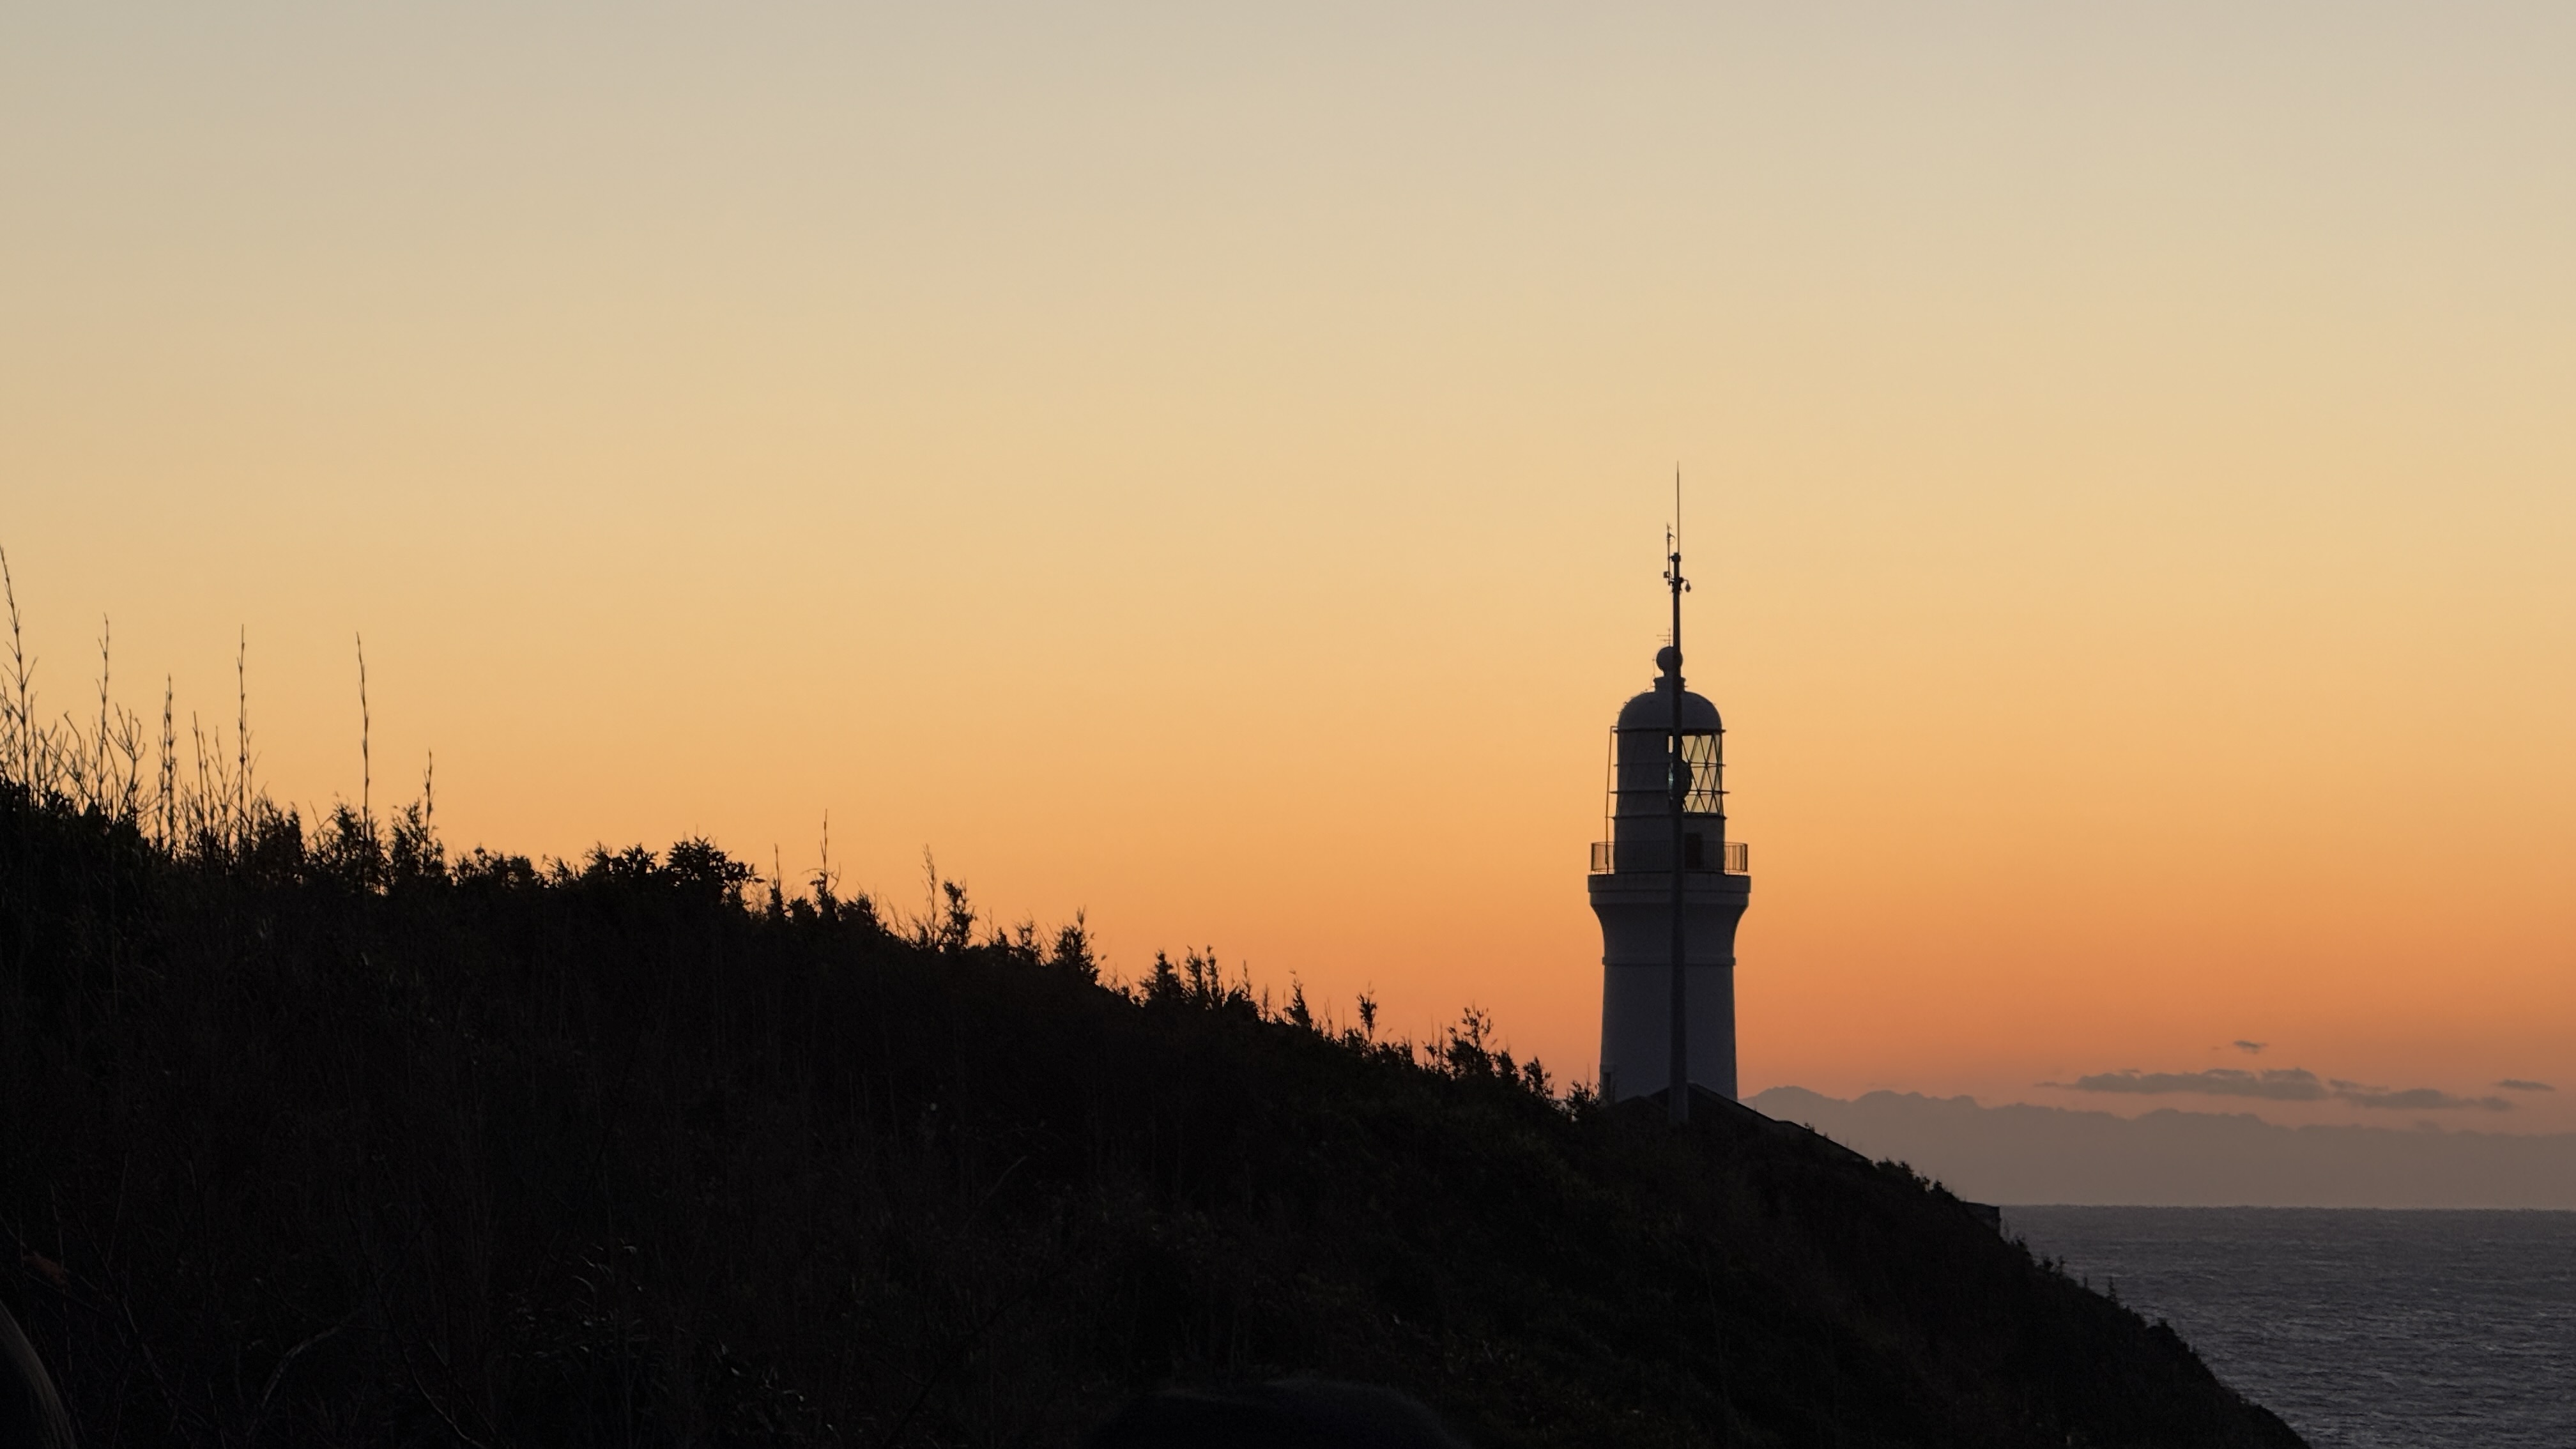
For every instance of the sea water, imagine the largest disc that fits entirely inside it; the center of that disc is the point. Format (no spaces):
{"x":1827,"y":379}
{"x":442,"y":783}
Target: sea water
{"x":2363,"y":1329}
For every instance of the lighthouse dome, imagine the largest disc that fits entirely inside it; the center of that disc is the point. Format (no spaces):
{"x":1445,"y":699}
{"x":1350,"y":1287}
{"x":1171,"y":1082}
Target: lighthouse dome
{"x":1653,"y":710}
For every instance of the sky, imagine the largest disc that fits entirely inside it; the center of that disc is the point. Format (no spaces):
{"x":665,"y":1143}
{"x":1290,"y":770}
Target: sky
{"x":1207,"y":470}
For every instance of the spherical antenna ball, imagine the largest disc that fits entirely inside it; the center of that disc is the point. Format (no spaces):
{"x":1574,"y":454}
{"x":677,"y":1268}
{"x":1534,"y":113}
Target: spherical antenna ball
{"x":1669,"y":659}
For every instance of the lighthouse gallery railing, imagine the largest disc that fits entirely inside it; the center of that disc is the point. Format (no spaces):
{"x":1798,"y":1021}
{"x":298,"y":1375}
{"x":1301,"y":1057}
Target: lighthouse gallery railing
{"x":1739,"y":858}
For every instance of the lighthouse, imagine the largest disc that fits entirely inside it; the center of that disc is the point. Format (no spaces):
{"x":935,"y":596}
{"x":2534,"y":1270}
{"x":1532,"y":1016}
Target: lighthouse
{"x":1669,"y":888}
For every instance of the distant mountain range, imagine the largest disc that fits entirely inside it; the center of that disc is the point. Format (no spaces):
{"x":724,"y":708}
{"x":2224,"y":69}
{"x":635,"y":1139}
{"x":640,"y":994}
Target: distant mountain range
{"x":2025,"y":1154}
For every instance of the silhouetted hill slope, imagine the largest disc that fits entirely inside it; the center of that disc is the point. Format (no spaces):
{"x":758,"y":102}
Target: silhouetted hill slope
{"x":2017,"y":1153}
{"x":317,"y":1142}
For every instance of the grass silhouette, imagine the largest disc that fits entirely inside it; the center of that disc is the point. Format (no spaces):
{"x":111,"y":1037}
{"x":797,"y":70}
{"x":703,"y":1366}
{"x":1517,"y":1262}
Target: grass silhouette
{"x":312,"y":1135}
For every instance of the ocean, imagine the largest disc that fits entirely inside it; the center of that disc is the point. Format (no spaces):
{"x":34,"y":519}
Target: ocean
{"x":2363,"y":1329}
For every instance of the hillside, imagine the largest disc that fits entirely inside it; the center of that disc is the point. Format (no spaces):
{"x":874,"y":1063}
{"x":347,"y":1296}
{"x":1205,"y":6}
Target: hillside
{"x":309,"y":1137}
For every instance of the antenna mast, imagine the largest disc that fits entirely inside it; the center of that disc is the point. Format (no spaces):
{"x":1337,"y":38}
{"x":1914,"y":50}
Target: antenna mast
{"x":1677,"y":788}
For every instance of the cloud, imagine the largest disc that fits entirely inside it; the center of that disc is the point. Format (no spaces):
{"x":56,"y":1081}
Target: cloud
{"x":2286,"y":1084}
{"x":2250,"y":1048}
{"x":2281,"y":1084}
{"x":2416,"y":1099}
{"x":2517,"y":1084}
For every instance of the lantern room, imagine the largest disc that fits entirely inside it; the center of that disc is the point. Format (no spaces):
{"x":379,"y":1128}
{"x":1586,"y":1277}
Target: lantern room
{"x":1638,"y":810}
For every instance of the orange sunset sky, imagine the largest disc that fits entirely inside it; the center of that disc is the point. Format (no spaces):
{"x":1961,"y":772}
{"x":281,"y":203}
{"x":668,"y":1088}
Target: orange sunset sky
{"x":1207,"y":469}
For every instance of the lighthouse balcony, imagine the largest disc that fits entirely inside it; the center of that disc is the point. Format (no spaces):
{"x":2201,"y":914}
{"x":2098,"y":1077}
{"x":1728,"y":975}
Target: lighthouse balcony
{"x":1613,"y":857}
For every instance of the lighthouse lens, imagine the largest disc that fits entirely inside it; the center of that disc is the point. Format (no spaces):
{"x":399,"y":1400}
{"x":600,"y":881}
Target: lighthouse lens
{"x":1645,"y":774}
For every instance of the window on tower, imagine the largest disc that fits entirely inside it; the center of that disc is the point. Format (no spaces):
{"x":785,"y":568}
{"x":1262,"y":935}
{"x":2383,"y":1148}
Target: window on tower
{"x":1699,"y":759}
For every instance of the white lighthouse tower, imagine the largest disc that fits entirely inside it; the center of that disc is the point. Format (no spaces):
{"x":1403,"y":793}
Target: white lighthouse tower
{"x":1668,"y":934}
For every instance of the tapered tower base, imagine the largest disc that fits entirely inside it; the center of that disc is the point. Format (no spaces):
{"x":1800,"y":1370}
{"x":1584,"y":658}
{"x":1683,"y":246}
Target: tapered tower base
{"x":1636,"y":913}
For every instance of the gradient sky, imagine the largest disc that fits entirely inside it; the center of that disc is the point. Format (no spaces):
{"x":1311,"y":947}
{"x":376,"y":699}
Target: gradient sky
{"x":1208,"y":469}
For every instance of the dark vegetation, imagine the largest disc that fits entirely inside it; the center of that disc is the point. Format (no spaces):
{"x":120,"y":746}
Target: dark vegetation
{"x":311,"y":1135}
